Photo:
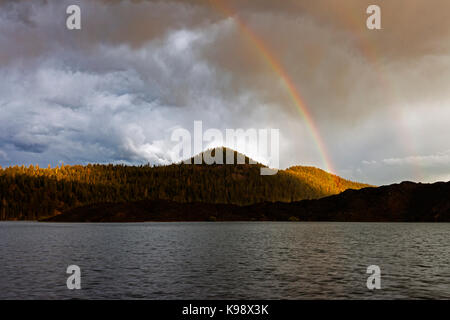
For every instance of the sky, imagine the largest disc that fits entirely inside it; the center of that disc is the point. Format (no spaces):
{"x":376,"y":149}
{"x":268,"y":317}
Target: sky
{"x":114,"y":91}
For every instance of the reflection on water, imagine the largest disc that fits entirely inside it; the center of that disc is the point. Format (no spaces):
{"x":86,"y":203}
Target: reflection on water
{"x":224,"y":260}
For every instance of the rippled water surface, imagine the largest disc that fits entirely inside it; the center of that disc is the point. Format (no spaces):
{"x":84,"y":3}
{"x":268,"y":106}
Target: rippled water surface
{"x":224,"y":260}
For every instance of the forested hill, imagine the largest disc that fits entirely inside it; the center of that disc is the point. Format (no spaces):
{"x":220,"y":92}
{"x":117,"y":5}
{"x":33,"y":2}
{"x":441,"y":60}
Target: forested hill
{"x":30,"y":193}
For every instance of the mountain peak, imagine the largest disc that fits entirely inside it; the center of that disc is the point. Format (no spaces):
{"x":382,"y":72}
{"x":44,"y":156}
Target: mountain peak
{"x":221,"y":155}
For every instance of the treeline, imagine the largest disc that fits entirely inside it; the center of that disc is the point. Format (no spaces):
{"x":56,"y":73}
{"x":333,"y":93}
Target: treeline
{"x":404,"y":202}
{"x":30,"y":193}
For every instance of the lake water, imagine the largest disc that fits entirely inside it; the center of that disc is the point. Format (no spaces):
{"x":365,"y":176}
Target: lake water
{"x":224,"y":260}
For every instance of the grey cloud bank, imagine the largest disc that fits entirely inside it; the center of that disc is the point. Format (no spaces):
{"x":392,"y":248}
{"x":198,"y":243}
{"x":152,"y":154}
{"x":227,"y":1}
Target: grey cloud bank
{"x":114,"y":91}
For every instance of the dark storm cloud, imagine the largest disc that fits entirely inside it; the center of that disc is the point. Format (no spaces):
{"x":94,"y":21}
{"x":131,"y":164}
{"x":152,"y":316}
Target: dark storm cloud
{"x":30,"y":146}
{"x":113,"y":91}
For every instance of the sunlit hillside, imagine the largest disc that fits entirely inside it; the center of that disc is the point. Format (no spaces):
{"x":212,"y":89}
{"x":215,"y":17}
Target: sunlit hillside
{"x":322,"y":181}
{"x":33,"y":192}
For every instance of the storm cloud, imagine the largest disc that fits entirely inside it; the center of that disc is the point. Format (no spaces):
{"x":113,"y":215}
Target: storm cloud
{"x":114,"y":91}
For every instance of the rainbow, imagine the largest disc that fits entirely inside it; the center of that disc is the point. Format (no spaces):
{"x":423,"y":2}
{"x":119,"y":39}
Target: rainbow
{"x":278,"y":68}
{"x":369,"y":54}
